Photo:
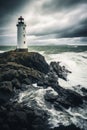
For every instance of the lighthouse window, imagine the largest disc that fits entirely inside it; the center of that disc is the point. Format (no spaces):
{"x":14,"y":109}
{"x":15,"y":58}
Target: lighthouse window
{"x":24,"y":42}
{"x":24,"y":35}
{"x":23,"y":28}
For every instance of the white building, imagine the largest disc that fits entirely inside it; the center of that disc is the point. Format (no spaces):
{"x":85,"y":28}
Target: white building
{"x":21,"y":35}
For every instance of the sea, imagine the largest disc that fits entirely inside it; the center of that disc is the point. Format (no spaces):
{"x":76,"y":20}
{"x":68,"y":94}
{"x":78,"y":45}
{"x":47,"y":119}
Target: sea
{"x":74,"y":58}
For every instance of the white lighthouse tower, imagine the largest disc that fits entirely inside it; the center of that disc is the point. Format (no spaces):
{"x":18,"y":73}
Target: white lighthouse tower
{"x":21,"y":35}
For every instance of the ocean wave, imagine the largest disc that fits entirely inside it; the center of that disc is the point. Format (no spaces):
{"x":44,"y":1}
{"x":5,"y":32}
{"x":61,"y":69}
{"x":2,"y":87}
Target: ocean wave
{"x":76,"y":63}
{"x":2,"y":51}
{"x":34,"y":98}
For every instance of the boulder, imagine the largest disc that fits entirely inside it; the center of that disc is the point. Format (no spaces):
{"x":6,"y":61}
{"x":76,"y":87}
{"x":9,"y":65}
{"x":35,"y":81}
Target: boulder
{"x":6,"y":91}
{"x":16,"y":84}
{"x":6,"y":86}
{"x":50,"y":79}
{"x":20,"y":117}
{"x":51,"y":96}
{"x":66,"y":98}
{"x":17,"y":73}
{"x":84,"y":90}
{"x":27,"y":81}
{"x":61,"y":71}
{"x":69,"y":98}
{"x":29,"y":59}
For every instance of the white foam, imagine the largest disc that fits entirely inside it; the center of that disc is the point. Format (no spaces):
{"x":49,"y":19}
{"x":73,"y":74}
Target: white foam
{"x":36,"y":93}
{"x":2,"y":51}
{"x":34,"y":97}
{"x":79,"y":116}
{"x":76,"y":63}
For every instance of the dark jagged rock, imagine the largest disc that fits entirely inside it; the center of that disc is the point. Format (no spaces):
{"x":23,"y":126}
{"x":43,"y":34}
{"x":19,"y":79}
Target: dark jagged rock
{"x":51,"y":79}
{"x":16,"y":84}
{"x":20,"y":117}
{"x":17,"y":68}
{"x":6,"y":86}
{"x":51,"y":96}
{"x":13,"y":75}
{"x":69,"y":98}
{"x":6,"y":91}
{"x":70,"y":127}
{"x":66,"y":98}
{"x":12,"y":71}
{"x":61,"y":71}
{"x":27,"y":81}
{"x":84,"y":90}
{"x":4,"y":96}
{"x":18,"y":71}
{"x":29,"y":59}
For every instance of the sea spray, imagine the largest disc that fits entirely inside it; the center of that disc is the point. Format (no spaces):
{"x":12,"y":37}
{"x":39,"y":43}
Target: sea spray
{"x":76,"y":63}
{"x":34,"y":97}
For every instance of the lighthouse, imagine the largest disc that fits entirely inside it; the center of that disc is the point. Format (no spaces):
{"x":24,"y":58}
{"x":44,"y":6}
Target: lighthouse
{"x":21,"y":35}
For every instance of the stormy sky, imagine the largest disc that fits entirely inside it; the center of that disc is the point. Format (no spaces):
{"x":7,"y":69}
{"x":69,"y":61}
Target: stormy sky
{"x":48,"y":21}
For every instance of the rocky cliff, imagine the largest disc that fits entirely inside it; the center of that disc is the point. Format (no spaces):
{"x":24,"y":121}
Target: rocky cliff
{"x":18,"y":72}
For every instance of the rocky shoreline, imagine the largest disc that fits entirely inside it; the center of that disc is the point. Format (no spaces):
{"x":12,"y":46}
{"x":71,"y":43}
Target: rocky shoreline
{"x":21,"y":69}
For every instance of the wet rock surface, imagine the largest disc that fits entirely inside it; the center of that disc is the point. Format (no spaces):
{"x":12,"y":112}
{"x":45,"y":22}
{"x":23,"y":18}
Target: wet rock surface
{"x":18,"y":72}
{"x":71,"y":127}
{"x":29,"y":59}
{"x":20,"y":117}
{"x":62,"y":72}
{"x":66,"y":98}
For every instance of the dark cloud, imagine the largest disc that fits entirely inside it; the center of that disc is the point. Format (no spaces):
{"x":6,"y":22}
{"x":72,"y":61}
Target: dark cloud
{"x":9,"y":8}
{"x":61,"y":19}
{"x":76,"y":32}
{"x":55,"y":5}
{"x":79,"y":30}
